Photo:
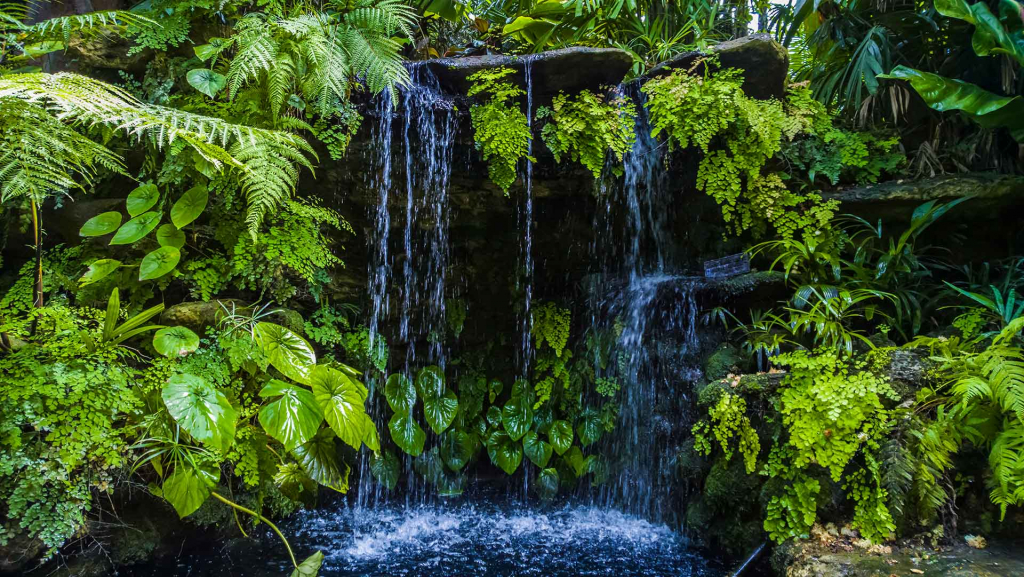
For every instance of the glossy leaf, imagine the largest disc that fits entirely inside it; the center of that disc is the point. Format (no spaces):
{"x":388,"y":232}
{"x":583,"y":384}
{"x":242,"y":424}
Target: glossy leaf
{"x":458,"y":448}
{"x":536,"y":449}
{"x":370,"y":437}
{"x":494,"y":416}
{"x":440,"y":411}
{"x":159,"y":262}
{"x":430,"y":381}
{"x":101,"y":224}
{"x":407,"y":434}
{"x":206,"y":81}
{"x":142,"y":199}
{"x":175,"y":341}
{"x":547,"y":483}
{"x":319,"y":459}
{"x":400,"y":393}
{"x":287,"y":351}
{"x":169,"y":235}
{"x":294,"y":417}
{"x":187,"y":488}
{"x":201,"y":410}
{"x":99,"y":270}
{"x":516,"y":417}
{"x":589,"y":428}
{"x":189,"y":206}
{"x":136,"y":228}
{"x":342,"y":404}
{"x":580,"y":464}
{"x":385,"y":469}
{"x":429,"y":466}
{"x":560,"y":436}
{"x":310,"y":566}
{"x":504,"y":452}
{"x":494,"y":389}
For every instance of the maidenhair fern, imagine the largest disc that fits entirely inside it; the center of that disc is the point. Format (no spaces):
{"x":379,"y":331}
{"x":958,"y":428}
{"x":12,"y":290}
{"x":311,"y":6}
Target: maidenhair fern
{"x":586,"y":127}
{"x":500,"y":129}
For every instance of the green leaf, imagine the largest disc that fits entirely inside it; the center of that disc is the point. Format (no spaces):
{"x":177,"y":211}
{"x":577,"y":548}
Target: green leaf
{"x":101,"y":224}
{"x":293,"y":481}
{"x":494,"y":416}
{"x":206,"y":81}
{"x":142,"y":199}
{"x":342,"y":404}
{"x":536,"y":449}
{"x":407,"y":434}
{"x":589,"y":428}
{"x":440,"y":411}
{"x":136,"y":228}
{"x":175,"y":341}
{"x":187,"y":488}
{"x":309,"y":566}
{"x":560,"y":436}
{"x":294,"y":417}
{"x":189,"y":206}
{"x":385,"y":469}
{"x":319,"y":459}
{"x":516,"y":417}
{"x":202,"y":410}
{"x":504,"y":452}
{"x":370,"y":437}
{"x":430,"y":381}
{"x":159,"y":262}
{"x":988,"y":109}
{"x":547,"y":483}
{"x":494,"y":389}
{"x":205,"y":52}
{"x":580,"y":464}
{"x":169,"y":235}
{"x":458,"y":448}
{"x":287,"y":351}
{"x":99,"y":270}
{"x":429,"y":466}
{"x":400,"y":393}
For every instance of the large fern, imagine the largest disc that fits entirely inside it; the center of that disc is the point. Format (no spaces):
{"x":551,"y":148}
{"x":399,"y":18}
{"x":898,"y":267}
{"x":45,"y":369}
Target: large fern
{"x":19,"y":36}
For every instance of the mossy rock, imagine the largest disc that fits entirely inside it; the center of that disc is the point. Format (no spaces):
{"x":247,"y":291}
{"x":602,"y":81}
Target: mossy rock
{"x":728,"y":486}
{"x":727,"y":359}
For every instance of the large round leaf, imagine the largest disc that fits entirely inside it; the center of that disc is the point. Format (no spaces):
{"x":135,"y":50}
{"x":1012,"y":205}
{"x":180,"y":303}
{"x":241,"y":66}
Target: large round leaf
{"x":547,"y":483}
{"x":136,"y":228}
{"x":494,"y":416}
{"x":440,"y":411}
{"x":99,"y":270}
{"x":169,"y":235}
{"x":385,"y":469}
{"x":189,"y":206}
{"x":430,"y":381}
{"x":589,"y":428}
{"x":142,"y":199}
{"x":206,"y":81}
{"x":342,"y":404}
{"x":536,"y":449}
{"x":287,"y":351}
{"x":319,"y":459}
{"x":516,"y":417}
{"x":101,"y":224}
{"x":159,"y":262}
{"x":294,"y":417}
{"x":187,"y":488}
{"x":202,"y":410}
{"x":504,"y":452}
{"x":407,"y":434}
{"x":457,"y":448}
{"x":560,"y":436}
{"x":175,"y":341}
{"x":400,"y":393}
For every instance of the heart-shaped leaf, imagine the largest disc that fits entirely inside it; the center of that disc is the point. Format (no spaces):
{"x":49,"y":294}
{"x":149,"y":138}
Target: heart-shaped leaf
{"x":370,"y":437}
{"x":101,"y":224}
{"x":429,"y":466}
{"x":440,"y":411}
{"x":430,"y":381}
{"x":342,"y":404}
{"x":504,"y":452}
{"x":407,"y":434}
{"x":516,"y":417}
{"x":400,"y":393}
{"x":206,"y":81}
{"x":494,"y":416}
{"x":385,"y":469}
{"x":547,"y":483}
{"x":142,"y":199}
{"x":560,"y":436}
{"x":310,"y":566}
{"x":294,"y":417}
{"x":494,"y":389}
{"x":457,"y":448}
{"x":175,"y":341}
{"x":159,"y":262}
{"x":589,"y":428}
{"x":99,"y":270}
{"x":319,"y":459}
{"x":189,"y":206}
{"x":287,"y":351}
{"x":202,"y":410}
{"x":580,"y":464}
{"x":536,"y":450}
{"x":187,"y":488}
{"x":169,"y":235}
{"x":136,"y":228}
{"x":205,"y":52}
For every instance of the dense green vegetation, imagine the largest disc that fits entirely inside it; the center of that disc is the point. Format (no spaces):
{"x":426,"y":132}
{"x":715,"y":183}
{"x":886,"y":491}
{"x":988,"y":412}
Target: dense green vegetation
{"x":259,"y":401}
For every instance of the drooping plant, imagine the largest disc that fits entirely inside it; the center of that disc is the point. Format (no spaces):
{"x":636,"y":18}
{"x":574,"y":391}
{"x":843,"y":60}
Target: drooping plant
{"x":500,"y":129}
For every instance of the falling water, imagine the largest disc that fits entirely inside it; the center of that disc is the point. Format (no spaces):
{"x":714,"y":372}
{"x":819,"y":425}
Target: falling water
{"x":526,"y":248}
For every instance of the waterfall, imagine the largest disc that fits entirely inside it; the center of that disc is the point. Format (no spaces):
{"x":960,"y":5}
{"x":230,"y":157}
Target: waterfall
{"x":526,"y":257}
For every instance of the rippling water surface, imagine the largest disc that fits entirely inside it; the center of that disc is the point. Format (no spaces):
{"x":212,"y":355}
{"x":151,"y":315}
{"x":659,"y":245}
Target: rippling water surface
{"x":463,"y":540}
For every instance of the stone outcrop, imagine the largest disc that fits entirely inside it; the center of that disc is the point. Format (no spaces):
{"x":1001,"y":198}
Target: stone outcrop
{"x":989,"y":192}
{"x":764,"y":62}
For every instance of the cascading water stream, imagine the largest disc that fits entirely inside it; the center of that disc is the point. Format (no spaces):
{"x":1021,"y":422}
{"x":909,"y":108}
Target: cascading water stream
{"x":526,"y":249}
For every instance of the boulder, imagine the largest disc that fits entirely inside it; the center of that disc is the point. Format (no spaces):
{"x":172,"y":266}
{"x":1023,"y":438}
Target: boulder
{"x":764,"y":61}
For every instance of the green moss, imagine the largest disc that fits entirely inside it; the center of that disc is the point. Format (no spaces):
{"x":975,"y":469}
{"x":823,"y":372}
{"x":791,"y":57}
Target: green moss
{"x":727,"y":359}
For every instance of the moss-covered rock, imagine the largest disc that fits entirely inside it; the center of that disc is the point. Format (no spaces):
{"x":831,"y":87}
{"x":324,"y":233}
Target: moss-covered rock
{"x":727,"y":359}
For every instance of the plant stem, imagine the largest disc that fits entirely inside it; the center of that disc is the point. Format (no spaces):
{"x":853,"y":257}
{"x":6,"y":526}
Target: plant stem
{"x":37,"y":300}
{"x":261,"y":518}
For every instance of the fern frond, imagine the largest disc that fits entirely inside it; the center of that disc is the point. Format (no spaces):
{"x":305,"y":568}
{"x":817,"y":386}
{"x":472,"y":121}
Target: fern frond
{"x":268,"y":178}
{"x":1007,"y":463}
{"x":91,"y":23}
{"x":257,"y":51}
{"x":279,"y":81}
